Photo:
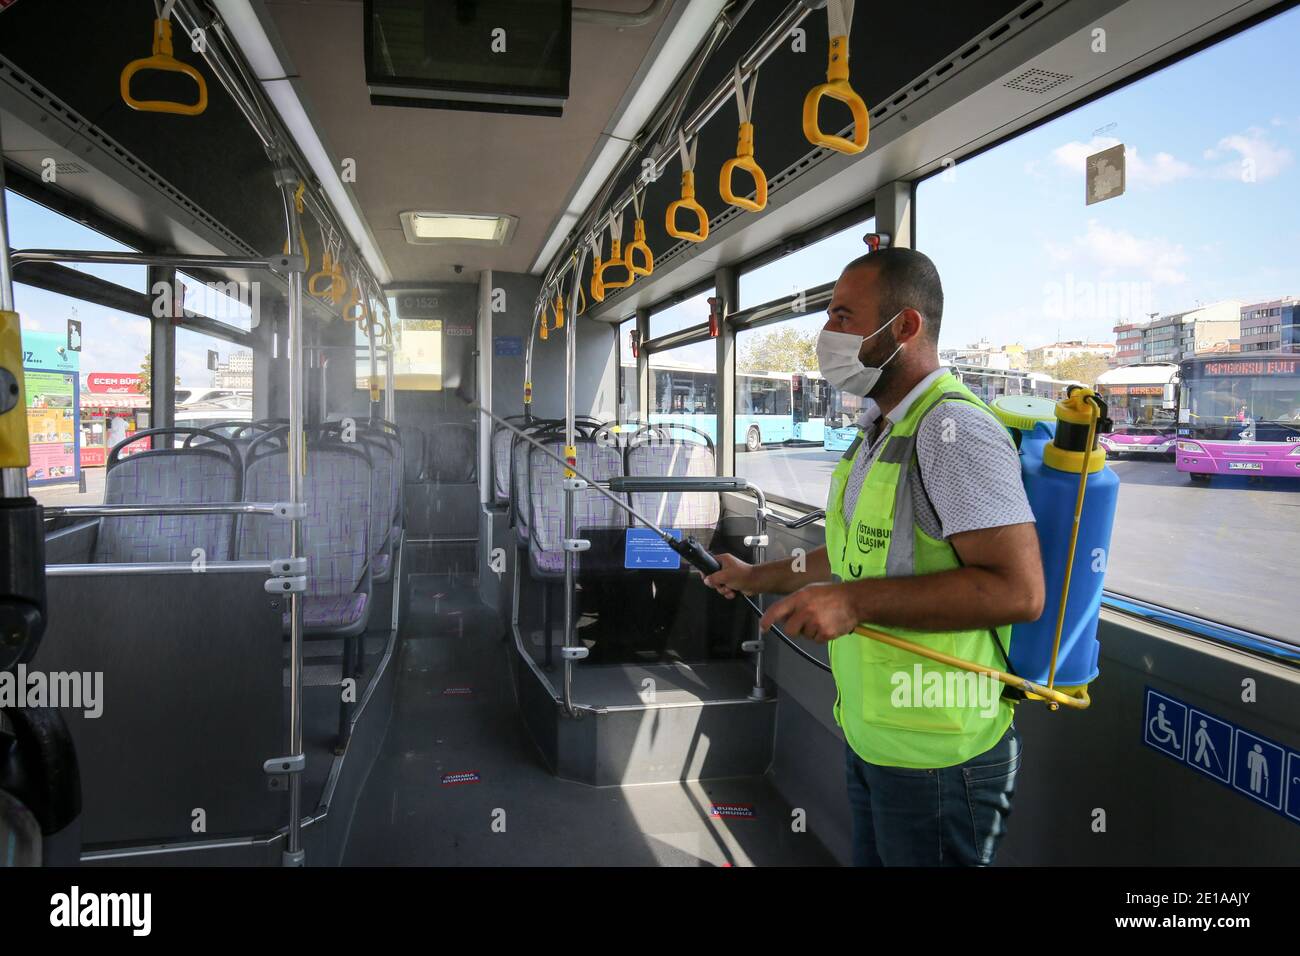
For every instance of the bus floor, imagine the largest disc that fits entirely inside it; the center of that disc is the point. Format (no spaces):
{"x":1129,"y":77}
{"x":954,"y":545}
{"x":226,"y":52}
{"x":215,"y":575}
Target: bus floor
{"x":459,"y":782}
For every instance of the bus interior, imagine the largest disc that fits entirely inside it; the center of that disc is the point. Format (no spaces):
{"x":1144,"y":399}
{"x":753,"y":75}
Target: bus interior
{"x":368,"y":272}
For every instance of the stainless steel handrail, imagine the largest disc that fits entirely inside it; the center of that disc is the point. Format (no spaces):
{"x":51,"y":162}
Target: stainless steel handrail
{"x":794,"y":524}
{"x":157,"y":567}
{"x":120,"y":511}
{"x":21,"y":256}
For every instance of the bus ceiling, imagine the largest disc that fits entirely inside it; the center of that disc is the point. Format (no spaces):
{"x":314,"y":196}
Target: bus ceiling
{"x":978,"y":73}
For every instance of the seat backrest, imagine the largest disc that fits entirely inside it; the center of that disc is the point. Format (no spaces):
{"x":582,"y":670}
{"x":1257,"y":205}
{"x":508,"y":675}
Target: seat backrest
{"x":207,"y":473}
{"x":384,"y":490}
{"x":502,"y":439}
{"x":336,"y":530}
{"x":591,"y":511}
{"x":413,"y":453}
{"x":452,"y":456}
{"x":681,"y":459}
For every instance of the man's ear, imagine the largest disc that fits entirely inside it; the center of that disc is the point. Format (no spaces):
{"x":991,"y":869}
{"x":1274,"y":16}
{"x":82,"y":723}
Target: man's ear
{"x":909,"y":325}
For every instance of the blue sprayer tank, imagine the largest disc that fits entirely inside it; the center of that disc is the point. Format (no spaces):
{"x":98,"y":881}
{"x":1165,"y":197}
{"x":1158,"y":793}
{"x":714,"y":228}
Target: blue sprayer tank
{"x":1052,"y":457}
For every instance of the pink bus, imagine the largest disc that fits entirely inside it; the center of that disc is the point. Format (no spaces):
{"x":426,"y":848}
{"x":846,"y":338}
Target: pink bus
{"x":1143,"y":403}
{"x":1240,"y":415}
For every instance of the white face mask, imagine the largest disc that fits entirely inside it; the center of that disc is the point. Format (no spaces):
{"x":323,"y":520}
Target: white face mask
{"x":837,"y":358}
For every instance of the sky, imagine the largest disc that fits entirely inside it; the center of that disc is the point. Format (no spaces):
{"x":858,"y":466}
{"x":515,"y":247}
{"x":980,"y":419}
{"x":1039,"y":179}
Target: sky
{"x":1209,"y":210}
{"x":112,"y":341}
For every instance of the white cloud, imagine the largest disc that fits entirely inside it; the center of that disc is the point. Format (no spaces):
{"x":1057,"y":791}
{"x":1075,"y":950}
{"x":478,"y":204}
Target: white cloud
{"x":1116,"y":253}
{"x":1164,"y":168}
{"x":1258,"y":158}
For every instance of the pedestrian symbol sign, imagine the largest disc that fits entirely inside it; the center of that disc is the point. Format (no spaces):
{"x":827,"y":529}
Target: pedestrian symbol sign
{"x":1166,"y":724}
{"x":1210,"y":746}
{"x":1258,"y":769}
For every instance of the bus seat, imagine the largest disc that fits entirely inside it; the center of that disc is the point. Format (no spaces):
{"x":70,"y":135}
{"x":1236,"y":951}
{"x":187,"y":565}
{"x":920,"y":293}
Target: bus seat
{"x":698,"y":510}
{"x":502,"y":439}
{"x":336,"y":531}
{"x":206,"y":473}
{"x":452,"y":455}
{"x":593,"y":512}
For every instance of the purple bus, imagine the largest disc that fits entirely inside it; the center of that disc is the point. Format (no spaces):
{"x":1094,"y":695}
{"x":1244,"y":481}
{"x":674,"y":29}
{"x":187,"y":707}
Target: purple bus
{"x":1240,"y":415}
{"x":1143,"y":403}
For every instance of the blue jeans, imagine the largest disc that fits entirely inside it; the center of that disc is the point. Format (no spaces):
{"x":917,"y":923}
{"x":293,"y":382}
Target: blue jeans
{"x":954,"y":816}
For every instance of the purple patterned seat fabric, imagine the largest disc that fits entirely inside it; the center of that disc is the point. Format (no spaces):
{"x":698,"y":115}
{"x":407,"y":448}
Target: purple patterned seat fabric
{"x":592,"y":510}
{"x":180,"y":476}
{"x":336,"y":531}
{"x":691,"y":509}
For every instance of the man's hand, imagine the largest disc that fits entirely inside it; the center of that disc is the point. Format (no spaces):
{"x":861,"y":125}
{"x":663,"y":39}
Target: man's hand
{"x":734,"y":577}
{"x":818,"y":612}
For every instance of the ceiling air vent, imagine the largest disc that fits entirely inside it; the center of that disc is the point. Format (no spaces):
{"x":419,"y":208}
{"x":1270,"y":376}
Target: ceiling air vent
{"x":1035,"y":80}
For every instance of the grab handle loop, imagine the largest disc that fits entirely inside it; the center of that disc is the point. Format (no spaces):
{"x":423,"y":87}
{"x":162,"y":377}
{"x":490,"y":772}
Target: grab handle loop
{"x":331,"y":273}
{"x":163,"y":61}
{"x":559,"y":311}
{"x":300,"y":206}
{"x":638,"y":243}
{"x":840,"y":16}
{"x":744,"y":158}
{"x":615,"y":260}
{"x":597,"y":287}
{"x":687,"y":201}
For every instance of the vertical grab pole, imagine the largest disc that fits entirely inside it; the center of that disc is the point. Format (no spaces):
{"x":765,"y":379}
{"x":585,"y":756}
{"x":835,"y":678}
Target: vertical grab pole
{"x":390,"y":376}
{"x":760,"y":555}
{"x":293,"y":854}
{"x":570,"y":437}
{"x":374,"y":364}
{"x":13,"y":481}
{"x":538,"y":306}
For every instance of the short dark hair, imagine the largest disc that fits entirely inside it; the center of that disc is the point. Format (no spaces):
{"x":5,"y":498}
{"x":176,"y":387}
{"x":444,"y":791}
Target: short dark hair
{"x":908,"y":280}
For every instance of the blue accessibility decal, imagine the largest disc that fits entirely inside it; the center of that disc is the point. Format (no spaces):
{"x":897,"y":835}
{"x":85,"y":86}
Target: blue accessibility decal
{"x":645,"y":549}
{"x":1252,"y":765}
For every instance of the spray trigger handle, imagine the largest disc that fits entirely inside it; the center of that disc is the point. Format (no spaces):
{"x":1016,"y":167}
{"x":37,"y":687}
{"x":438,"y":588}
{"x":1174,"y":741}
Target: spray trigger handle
{"x":695,"y":553}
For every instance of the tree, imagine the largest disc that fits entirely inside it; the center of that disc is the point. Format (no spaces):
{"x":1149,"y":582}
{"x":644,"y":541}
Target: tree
{"x":1079,"y":368}
{"x":780,"y":350}
{"x":146,"y":373}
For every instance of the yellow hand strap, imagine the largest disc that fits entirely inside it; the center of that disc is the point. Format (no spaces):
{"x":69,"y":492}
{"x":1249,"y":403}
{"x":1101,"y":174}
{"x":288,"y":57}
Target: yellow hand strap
{"x":615,"y":260}
{"x":744,"y":158}
{"x":687,"y":201}
{"x":837,"y":88}
{"x":163,"y":61}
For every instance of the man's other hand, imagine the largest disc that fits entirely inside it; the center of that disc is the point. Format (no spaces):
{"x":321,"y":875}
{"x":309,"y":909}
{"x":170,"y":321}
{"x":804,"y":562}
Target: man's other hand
{"x":818,"y":612}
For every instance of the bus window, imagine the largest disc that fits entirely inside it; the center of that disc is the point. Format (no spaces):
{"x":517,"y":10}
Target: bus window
{"x":214,"y":380}
{"x":629,"y":397}
{"x":684,"y":315}
{"x":781,"y":404}
{"x":32,"y":226}
{"x":813,"y":265}
{"x":237,"y":304}
{"x":1069,"y":280}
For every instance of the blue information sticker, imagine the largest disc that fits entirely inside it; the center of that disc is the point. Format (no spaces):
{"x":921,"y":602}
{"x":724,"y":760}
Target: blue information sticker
{"x":507,"y":345}
{"x":645,"y":549}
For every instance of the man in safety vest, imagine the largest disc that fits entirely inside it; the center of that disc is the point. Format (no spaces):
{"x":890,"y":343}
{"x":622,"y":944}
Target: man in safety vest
{"x":929,"y":537}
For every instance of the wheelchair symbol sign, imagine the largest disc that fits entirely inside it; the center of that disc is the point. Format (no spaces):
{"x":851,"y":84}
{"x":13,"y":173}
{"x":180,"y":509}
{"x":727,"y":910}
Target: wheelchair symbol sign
{"x":1165,"y":726}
